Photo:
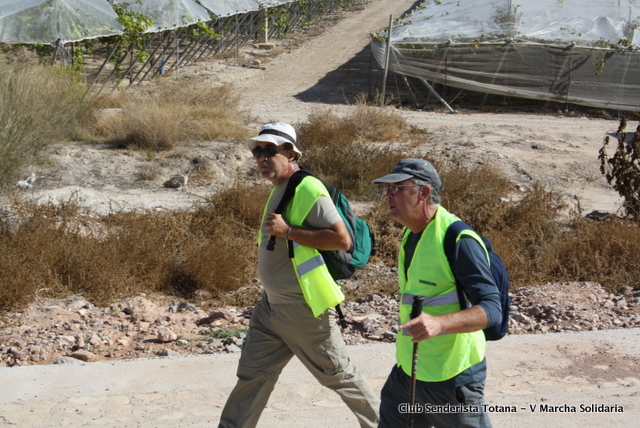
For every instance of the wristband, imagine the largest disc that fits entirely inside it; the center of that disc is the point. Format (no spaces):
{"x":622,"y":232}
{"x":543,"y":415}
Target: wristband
{"x":288,"y":232}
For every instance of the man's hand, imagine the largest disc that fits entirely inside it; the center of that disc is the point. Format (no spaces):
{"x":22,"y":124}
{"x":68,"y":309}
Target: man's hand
{"x":423,"y":327}
{"x":334,"y":238}
{"x":426,"y":326}
{"x":276,"y":225}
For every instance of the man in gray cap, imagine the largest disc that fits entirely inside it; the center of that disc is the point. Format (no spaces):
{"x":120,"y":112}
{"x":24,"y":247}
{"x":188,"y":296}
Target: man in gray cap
{"x":296,"y":314}
{"x":450,"y":365}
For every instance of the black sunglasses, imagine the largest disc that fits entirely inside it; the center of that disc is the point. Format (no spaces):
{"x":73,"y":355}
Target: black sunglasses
{"x":267,"y":152}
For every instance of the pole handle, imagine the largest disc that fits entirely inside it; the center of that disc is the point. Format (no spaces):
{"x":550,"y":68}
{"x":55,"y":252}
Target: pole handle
{"x":416,"y":309}
{"x":271,"y":245}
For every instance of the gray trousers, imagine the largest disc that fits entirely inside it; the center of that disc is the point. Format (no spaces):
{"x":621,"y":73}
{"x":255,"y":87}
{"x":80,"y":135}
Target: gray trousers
{"x":276,"y":334}
{"x":394,"y":410}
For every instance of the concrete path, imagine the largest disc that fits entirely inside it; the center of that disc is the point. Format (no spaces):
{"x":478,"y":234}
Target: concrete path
{"x":534,"y":381}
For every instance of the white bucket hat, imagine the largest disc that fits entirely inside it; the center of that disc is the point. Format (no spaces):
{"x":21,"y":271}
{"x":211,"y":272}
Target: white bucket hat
{"x":277,"y":133}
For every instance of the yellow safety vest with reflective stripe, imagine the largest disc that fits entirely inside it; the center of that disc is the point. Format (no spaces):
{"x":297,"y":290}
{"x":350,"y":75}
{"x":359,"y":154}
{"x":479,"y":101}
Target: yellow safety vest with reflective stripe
{"x":444,"y":356}
{"x":319,"y":289}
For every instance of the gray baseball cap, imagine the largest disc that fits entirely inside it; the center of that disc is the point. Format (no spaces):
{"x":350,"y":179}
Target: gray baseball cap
{"x":412,"y":168}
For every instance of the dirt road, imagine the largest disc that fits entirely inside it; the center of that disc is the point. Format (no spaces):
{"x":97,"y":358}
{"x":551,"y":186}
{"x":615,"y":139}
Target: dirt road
{"x":562,"y":380}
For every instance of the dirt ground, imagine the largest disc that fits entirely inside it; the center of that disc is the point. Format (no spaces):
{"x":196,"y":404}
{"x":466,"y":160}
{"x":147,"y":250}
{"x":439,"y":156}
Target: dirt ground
{"x":557,"y":147}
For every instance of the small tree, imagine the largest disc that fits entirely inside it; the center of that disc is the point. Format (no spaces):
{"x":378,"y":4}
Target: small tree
{"x":134,"y":39}
{"x":623,"y":169}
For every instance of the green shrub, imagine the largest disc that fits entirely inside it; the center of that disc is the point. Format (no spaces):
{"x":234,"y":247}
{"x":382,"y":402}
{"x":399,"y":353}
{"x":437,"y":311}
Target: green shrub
{"x":623,"y":168}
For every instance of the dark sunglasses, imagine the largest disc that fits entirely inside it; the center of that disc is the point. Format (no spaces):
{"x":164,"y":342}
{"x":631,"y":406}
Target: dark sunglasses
{"x":267,"y":152}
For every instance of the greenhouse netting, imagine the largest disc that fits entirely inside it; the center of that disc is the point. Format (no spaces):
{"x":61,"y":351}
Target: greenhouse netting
{"x":182,"y":31}
{"x":573,"y":51}
{"x":51,"y":21}
{"x":169,"y":14}
{"x":230,"y":7}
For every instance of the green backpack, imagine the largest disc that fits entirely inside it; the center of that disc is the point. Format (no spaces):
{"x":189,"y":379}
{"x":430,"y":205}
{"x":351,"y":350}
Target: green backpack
{"x":341,"y":264}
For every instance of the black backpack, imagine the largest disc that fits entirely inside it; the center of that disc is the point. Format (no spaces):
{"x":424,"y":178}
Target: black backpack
{"x":341,"y":264}
{"x":498,"y":272}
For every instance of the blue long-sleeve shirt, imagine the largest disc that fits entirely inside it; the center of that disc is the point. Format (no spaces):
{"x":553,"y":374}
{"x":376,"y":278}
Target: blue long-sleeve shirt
{"x":471,"y":269}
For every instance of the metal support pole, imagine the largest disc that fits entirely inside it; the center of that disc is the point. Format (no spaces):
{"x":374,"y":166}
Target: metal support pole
{"x":104,"y":64}
{"x":150,"y":60}
{"x":386,"y":63}
{"x":177,"y":64}
{"x":433,"y":91}
{"x":55,"y":52}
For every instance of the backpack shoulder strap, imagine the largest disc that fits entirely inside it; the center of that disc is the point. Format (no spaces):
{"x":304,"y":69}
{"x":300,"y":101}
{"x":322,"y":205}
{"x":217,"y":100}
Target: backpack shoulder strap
{"x":294,"y":180}
{"x":290,"y":190}
{"x":450,"y":237}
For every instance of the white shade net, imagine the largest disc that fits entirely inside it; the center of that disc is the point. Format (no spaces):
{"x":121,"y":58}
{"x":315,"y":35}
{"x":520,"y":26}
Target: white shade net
{"x":583,"y":22}
{"x":230,"y":7}
{"x":273,"y":3}
{"x":168,"y":14}
{"x":575,"y":51}
{"x":47,"y":21}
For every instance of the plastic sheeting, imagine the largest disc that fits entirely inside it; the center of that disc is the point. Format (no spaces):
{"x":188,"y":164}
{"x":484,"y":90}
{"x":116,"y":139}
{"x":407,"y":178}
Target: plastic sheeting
{"x":230,"y":7}
{"x":234,"y":7}
{"x":47,"y":21}
{"x":583,"y":22}
{"x":575,"y":51}
{"x":169,"y":14}
{"x":273,"y":3}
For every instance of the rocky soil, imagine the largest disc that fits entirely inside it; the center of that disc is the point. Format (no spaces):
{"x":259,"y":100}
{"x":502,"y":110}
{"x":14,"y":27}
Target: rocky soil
{"x":73,"y":329}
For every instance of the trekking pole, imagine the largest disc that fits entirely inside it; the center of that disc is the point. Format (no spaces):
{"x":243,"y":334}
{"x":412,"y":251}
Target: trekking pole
{"x":416,"y":310}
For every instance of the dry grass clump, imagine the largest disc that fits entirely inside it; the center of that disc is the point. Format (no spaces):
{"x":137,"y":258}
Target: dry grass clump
{"x":604,"y":252}
{"x":58,"y":250}
{"x":533,"y":236}
{"x":209,"y":254}
{"x":214,"y":256}
{"x":363,"y":124}
{"x":340,"y":150}
{"x":242,"y":203}
{"x":476,"y":195}
{"x":43,"y":253}
{"x":162,"y":115}
{"x":351,"y":167}
{"x":525,"y":232}
{"x":39,"y":105}
{"x":144,"y":125}
{"x":388,"y":232}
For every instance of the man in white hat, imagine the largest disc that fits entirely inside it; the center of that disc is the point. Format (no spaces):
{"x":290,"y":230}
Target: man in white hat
{"x":296,"y":314}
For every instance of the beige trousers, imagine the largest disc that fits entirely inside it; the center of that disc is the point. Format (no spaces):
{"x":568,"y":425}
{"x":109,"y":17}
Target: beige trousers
{"x":276,"y":334}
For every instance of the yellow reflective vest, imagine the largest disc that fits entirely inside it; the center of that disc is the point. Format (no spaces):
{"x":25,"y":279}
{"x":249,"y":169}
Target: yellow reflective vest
{"x":319,"y":289}
{"x":445,"y":356}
